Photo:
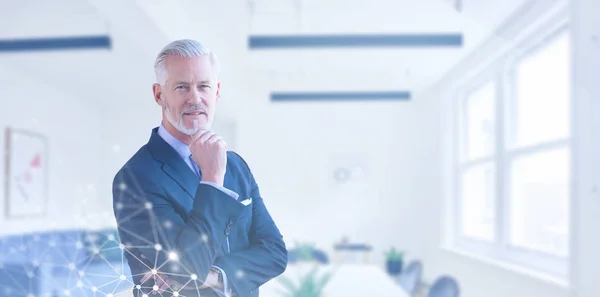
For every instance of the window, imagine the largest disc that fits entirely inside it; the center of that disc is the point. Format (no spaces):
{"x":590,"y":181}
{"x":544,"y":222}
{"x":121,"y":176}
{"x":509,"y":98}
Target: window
{"x":539,"y":155}
{"x":477,"y":197}
{"x":513,"y":159}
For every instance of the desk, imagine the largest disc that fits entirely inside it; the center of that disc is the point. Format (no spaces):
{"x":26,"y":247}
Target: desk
{"x":347,"y":280}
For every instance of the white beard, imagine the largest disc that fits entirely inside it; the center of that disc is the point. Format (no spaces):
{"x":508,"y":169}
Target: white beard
{"x":179,"y":124}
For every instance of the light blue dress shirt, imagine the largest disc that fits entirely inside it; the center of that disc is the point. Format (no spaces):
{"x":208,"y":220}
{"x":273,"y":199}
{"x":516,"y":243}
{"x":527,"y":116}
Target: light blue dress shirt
{"x":184,"y":151}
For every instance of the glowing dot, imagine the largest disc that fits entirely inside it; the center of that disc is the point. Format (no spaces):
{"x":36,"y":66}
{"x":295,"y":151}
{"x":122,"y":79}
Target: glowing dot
{"x":119,"y":205}
{"x":72,"y":266}
{"x":173,"y":256}
{"x":168,"y":224}
{"x":122,"y":186}
{"x":79,"y":245}
{"x":145,"y":295}
{"x":67,"y":293}
{"x":96,"y":251}
{"x":194,"y":277}
{"x":122,"y":246}
{"x":204,"y":238}
{"x":157,"y":247}
{"x":51,"y":243}
{"x":79,"y":284}
{"x":148,"y":205}
{"x":30,"y":274}
{"x":111,"y":237}
{"x":94,"y":289}
{"x":81,"y":273}
{"x":154,"y":271}
{"x":239,"y":274}
{"x":109,"y":295}
{"x":155,"y":288}
{"x":138,"y":287}
{"x":175,"y":293}
{"x":30,"y":295}
{"x":123,"y":277}
{"x":35,"y":263}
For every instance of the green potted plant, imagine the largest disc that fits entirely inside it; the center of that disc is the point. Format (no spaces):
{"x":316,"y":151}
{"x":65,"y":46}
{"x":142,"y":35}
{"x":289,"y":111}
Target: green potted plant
{"x":310,"y":285}
{"x":394,"y":261}
{"x":305,"y":251}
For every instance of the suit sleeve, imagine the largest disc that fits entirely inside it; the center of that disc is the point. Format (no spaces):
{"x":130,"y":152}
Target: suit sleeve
{"x":149,"y":224}
{"x":266,"y":257}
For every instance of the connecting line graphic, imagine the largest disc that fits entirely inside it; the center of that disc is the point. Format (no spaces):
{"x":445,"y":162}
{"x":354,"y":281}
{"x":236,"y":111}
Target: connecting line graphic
{"x":79,"y":265}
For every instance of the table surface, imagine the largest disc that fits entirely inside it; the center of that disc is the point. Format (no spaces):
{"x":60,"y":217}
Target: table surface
{"x":346,"y":280}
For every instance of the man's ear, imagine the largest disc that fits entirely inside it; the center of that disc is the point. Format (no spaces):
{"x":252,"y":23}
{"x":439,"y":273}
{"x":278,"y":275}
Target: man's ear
{"x":157,"y":91}
{"x":218,"y":91}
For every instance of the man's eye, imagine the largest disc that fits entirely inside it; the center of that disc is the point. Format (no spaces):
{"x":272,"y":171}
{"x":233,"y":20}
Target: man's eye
{"x":205,"y":86}
{"x":180,"y":88}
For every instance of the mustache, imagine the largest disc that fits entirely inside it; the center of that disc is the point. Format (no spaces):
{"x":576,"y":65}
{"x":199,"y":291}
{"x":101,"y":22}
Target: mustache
{"x":194,"y":108}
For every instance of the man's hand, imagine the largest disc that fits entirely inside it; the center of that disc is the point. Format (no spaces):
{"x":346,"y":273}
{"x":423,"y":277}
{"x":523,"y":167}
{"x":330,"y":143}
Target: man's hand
{"x":212,"y":280}
{"x":210,"y":153}
{"x":163,"y":283}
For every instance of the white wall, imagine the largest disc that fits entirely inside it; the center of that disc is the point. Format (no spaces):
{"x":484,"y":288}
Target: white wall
{"x":69,"y":93}
{"x":72,"y":127}
{"x":291,"y":146}
{"x":586,"y":207}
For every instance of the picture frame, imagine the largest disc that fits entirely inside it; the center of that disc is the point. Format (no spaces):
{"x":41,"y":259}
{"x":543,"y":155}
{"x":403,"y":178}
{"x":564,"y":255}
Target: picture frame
{"x":26,"y":174}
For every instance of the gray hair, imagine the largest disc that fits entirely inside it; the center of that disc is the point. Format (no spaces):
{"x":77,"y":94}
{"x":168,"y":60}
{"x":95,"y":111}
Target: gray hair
{"x":187,"y":48}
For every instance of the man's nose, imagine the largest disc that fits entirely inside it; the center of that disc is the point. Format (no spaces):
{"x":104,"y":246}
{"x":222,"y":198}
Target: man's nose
{"x":195,"y":97}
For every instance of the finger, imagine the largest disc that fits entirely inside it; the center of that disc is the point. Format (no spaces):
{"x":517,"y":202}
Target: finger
{"x":223,"y":143}
{"x":159,"y":279}
{"x":146,"y":277}
{"x":196,"y":136}
{"x":156,"y":286}
{"x":214,"y":138}
{"x":163,"y":287}
{"x":204,"y":137}
{"x":175,"y":286}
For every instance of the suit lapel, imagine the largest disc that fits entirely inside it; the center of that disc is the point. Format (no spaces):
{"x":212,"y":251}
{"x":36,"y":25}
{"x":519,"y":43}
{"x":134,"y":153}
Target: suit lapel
{"x":172,"y":164}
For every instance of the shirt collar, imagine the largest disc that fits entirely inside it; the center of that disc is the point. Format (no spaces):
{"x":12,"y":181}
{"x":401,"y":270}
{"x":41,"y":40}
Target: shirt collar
{"x":182,"y":149}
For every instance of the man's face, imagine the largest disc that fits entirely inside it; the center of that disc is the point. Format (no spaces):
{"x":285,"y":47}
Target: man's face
{"x":189,"y":94}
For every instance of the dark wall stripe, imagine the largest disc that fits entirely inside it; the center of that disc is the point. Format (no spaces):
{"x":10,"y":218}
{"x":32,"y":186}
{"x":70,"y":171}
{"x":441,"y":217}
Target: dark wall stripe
{"x":321,"y":41}
{"x":56,"y":43}
{"x":340,"y":96}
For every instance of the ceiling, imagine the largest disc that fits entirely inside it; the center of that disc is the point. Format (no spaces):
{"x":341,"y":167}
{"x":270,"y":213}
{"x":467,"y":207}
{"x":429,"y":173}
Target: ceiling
{"x":404,"y":68}
{"x":345,"y":69}
{"x":105,"y":77}
{"x":140,"y":28}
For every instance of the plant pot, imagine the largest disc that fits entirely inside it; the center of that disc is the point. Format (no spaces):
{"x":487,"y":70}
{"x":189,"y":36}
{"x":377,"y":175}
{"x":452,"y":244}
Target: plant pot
{"x":394,"y":267}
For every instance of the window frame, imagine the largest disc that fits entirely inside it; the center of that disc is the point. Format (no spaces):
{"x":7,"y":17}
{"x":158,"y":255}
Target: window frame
{"x":501,"y":73}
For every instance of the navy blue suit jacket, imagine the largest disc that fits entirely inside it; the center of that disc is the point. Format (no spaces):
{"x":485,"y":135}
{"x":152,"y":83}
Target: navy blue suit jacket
{"x":161,"y":208}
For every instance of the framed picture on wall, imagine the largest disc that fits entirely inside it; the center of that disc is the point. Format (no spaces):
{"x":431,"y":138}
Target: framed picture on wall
{"x":26,"y":174}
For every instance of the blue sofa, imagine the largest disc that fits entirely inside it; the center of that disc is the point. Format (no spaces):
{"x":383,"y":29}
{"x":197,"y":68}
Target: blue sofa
{"x":63,"y":263}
